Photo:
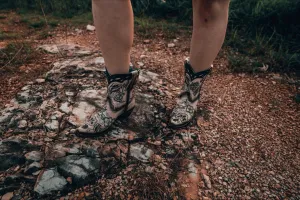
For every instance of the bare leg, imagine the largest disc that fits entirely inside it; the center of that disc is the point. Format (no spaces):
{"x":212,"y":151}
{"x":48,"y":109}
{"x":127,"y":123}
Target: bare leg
{"x":210,"y":18}
{"x":114,"y":26}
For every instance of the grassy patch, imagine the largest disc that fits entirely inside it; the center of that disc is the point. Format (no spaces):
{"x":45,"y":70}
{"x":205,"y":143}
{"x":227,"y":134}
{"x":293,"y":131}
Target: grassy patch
{"x":248,"y":52}
{"x":82,"y":19}
{"x":149,"y":27}
{"x":16,"y":54}
{"x":8,"y":36}
{"x":33,"y":20}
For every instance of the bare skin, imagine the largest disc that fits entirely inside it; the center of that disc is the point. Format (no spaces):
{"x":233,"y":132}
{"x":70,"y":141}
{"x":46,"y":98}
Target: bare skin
{"x":210,"y":18}
{"x":115,"y":29}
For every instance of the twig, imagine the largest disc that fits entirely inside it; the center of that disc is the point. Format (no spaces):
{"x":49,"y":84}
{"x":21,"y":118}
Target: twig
{"x":13,"y":57}
{"x":44,"y":13}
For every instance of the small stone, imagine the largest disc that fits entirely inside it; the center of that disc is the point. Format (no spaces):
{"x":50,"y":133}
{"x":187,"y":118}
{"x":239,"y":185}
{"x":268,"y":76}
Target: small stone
{"x":149,"y":169}
{"x":264,"y":68}
{"x":143,"y":56}
{"x":40,"y":80}
{"x":22,"y":124}
{"x":171,"y":45}
{"x":141,"y":152}
{"x":90,"y":28}
{"x":70,"y":94}
{"x":207,"y":181}
{"x":141,"y":64}
{"x":147,"y":41}
{"x":34,"y":156}
{"x":8,"y":196}
{"x":65,"y":108}
{"x":51,"y":135}
{"x":277,"y":77}
{"x":32,"y":168}
{"x":48,"y":139}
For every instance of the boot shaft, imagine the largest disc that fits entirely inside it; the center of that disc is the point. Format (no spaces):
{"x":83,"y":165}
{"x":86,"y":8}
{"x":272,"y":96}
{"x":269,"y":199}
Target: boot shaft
{"x":193,"y":82}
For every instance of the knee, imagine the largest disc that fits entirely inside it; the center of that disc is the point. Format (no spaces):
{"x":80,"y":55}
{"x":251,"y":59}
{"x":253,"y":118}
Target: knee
{"x":211,"y":9}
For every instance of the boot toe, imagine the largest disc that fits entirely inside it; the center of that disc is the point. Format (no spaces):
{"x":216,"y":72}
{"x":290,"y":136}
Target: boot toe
{"x":181,"y":117}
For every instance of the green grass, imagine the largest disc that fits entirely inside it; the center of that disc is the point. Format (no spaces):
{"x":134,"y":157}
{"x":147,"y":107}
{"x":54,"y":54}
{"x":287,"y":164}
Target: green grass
{"x":256,"y":50}
{"x":8,"y":36}
{"x":33,"y":20}
{"x":148,"y":27}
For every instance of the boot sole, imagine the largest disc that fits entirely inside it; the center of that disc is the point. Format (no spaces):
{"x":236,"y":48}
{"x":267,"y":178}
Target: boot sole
{"x":181,"y":125}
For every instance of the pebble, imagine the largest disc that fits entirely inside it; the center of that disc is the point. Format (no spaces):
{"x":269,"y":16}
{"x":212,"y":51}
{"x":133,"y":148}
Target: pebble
{"x":32,"y":168}
{"x":90,"y":28}
{"x":171,"y":45}
{"x":22,"y":124}
{"x":40,"y":80}
{"x":141,"y":152}
{"x":34,"y":156}
{"x":141,"y":64}
{"x":207,"y":181}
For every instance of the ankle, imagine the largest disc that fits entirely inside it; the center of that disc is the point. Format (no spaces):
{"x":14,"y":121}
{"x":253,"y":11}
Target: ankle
{"x":197,"y":68}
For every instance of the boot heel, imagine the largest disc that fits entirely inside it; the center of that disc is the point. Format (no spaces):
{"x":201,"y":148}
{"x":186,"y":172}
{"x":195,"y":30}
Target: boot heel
{"x":126,"y":114}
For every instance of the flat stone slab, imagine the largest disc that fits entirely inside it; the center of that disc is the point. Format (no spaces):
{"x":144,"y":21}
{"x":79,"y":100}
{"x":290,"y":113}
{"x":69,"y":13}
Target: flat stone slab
{"x":49,"y":182}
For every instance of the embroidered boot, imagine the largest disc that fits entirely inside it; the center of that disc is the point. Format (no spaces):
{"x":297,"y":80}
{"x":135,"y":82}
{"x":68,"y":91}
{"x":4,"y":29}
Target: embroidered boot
{"x":120,"y":103}
{"x":186,"y":107}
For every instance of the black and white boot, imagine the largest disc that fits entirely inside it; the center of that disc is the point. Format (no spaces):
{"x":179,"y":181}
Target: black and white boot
{"x":120,"y":103}
{"x":186,"y":107}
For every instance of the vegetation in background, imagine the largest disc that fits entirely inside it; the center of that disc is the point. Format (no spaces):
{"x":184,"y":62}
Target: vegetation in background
{"x":263,"y":32}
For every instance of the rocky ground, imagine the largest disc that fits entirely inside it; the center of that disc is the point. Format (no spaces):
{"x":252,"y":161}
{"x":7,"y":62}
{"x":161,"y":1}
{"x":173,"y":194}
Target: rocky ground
{"x":244,"y":143}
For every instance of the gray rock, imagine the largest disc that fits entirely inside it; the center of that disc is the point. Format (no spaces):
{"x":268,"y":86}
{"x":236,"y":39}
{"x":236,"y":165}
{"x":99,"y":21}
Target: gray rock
{"x":34,"y":156}
{"x":81,"y":169}
{"x":22,"y":124}
{"x":5,"y":117}
{"x":80,"y":113}
{"x":52,"y":125}
{"x":65,"y":107}
{"x":49,"y":182}
{"x":70,"y":49}
{"x":141,"y":152}
{"x":147,"y":76}
{"x":32,"y":168}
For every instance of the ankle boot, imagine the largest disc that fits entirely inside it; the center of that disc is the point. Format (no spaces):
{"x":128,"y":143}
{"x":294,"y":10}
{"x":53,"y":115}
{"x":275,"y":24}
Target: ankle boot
{"x":186,"y":107}
{"x":120,"y":103}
